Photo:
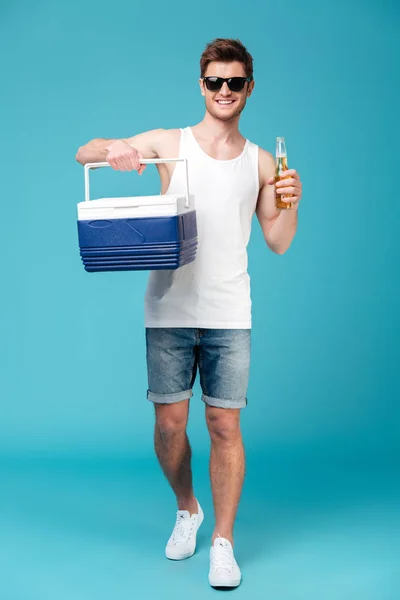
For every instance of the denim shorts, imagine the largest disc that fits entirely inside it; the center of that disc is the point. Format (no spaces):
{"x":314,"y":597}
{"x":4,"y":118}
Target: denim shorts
{"x":222,"y":357}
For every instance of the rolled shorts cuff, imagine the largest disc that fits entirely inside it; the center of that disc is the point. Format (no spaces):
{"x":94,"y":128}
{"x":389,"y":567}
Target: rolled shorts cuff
{"x":169,"y":398}
{"x":224,"y":403}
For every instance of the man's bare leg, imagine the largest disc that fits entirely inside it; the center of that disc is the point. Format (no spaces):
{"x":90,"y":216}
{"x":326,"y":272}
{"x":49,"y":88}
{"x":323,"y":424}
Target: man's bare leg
{"x":227,"y":467}
{"x":173,"y":451}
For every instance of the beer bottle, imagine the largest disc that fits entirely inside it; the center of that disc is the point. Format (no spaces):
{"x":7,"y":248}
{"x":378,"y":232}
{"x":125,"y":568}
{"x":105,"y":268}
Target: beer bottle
{"x":281,"y":165}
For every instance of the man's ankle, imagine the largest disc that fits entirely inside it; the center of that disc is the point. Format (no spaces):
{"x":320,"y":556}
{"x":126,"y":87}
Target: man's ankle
{"x":188,"y":503}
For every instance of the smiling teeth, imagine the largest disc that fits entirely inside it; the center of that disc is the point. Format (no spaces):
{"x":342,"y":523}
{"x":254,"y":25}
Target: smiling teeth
{"x":225,"y":101}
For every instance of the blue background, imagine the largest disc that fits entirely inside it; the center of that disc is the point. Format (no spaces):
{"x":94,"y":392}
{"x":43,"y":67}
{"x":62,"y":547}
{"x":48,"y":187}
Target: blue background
{"x":84,"y":509}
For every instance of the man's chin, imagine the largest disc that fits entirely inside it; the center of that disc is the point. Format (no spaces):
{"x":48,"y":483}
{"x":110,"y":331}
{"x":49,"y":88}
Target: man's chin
{"x":225,"y":117}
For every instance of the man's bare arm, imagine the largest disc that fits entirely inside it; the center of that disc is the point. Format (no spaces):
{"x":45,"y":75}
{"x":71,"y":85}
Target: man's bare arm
{"x":278,"y":226}
{"x":97,"y":150}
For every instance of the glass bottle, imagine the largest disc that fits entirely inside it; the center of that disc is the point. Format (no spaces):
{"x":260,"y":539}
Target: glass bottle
{"x":281,"y":165}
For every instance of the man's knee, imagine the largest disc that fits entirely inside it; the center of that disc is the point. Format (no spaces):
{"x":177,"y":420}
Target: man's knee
{"x":223,"y":424}
{"x":171,"y":419}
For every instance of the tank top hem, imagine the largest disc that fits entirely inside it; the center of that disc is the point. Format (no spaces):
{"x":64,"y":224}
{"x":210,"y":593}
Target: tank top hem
{"x":198,"y":324}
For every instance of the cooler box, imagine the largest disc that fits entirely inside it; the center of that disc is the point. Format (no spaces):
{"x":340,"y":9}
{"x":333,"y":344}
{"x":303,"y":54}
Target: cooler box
{"x":137,"y":233}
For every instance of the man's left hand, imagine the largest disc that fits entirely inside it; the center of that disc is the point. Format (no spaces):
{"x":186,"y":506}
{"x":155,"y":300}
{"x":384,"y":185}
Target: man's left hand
{"x":291,"y":185}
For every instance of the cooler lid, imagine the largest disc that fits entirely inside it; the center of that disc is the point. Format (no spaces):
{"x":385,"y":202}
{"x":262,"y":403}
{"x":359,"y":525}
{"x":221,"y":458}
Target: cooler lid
{"x":129,"y":201}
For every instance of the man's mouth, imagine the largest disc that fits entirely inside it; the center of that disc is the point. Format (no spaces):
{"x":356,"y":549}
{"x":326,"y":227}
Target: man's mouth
{"x":225,"y":102}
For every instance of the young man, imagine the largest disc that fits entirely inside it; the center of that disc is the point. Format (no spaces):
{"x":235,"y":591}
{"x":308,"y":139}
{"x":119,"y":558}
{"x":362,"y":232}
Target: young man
{"x":199,"y":316}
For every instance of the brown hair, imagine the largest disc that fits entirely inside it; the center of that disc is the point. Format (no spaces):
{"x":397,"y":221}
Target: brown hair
{"x":226,"y":50}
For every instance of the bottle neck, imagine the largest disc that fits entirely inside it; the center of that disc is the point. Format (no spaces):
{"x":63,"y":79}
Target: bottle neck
{"x":280,"y":147}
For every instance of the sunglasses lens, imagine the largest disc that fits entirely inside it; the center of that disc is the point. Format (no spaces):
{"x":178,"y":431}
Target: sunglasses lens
{"x":214,"y":83}
{"x":236,"y":84}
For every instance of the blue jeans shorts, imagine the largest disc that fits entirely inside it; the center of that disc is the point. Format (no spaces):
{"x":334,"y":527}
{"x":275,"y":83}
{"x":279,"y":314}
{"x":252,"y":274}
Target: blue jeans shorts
{"x":222,"y":357}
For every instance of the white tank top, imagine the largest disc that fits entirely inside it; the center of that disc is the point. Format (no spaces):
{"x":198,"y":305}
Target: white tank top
{"x":213,"y":292}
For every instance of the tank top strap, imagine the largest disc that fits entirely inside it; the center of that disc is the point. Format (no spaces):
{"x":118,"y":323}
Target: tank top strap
{"x":253,"y":153}
{"x":252,"y":150}
{"x":188,"y":145}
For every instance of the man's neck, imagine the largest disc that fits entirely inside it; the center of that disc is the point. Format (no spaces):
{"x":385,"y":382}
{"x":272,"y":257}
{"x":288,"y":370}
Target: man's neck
{"x":217,"y":130}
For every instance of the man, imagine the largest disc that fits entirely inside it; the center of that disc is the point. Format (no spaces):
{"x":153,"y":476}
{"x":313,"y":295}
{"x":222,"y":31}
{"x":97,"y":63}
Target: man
{"x":199,"y":316}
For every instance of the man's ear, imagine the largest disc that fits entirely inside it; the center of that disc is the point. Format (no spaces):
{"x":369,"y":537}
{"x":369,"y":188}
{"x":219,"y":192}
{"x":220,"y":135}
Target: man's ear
{"x":201,"y":84}
{"x":251,"y":88}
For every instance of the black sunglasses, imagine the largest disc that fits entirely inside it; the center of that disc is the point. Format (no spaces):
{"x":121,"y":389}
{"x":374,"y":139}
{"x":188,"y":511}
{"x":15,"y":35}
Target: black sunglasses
{"x":235,"y":84}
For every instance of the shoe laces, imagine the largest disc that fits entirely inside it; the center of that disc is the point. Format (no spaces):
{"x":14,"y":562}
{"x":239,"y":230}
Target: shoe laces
{"x":222,"y":556}
{"x":183,"y":528}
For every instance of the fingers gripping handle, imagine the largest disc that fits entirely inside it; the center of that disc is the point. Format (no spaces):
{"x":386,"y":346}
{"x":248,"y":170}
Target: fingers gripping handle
{"x":144,"y":161}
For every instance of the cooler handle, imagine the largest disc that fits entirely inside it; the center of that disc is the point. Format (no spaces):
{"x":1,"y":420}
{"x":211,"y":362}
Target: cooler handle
{"x":143,"y":161}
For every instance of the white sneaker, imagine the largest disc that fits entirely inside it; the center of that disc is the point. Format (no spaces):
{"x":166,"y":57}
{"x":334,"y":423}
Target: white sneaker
{"x":182,"y":543}
{"x":224,"y":570}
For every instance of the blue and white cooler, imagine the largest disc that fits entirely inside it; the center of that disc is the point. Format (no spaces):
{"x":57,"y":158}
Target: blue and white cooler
{"x":137,"y":233}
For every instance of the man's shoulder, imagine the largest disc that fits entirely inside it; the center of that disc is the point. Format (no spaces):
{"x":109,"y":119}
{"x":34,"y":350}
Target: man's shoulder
{"x":166,"y":134}
{"x":168,"y":142}
{"x":170,"y":134}
{"x":265,"y":156}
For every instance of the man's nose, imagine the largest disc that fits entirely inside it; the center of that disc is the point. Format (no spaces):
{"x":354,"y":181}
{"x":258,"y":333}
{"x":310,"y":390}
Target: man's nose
{"x":225,"y":91}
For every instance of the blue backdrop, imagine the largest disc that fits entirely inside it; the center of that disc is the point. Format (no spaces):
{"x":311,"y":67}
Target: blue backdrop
{"x":322,"y":424}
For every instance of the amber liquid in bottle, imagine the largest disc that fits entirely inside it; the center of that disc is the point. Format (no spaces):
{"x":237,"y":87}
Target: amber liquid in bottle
{"x":281,"y":165}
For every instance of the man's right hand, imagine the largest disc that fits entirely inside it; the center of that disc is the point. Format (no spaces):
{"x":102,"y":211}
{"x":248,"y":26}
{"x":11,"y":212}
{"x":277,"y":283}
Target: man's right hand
{"x":122,"y":157}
